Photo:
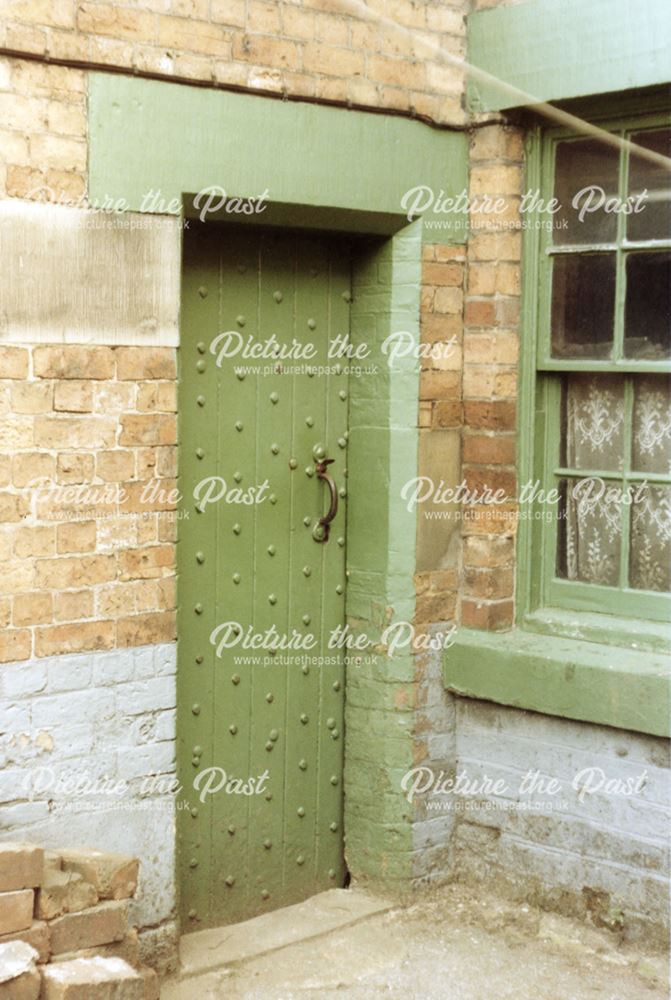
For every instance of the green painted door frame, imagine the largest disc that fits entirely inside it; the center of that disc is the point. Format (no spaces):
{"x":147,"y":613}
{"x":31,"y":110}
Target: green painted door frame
{"x":337,"y":171}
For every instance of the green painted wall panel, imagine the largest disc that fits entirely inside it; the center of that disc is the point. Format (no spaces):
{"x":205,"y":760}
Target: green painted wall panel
{"x":353,"y":166}
{"x":558,"y":49}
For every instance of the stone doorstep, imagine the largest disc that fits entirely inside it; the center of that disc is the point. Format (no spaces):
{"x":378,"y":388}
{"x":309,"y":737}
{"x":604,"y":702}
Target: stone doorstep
{"x":204,"y":951}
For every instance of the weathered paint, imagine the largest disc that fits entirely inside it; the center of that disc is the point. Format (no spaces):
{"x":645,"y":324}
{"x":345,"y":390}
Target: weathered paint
{"x":122,"y":284}
{"x":625,"y":688}
{"x":383,"y":454}
{"x":167,"y":139}
{"x":555,"y":51}
{"x":271,"y":717}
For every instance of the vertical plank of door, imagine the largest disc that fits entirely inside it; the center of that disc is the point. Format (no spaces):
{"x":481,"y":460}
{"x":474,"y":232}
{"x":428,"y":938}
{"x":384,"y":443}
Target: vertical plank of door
{"x":233,"y":550}
{"x":195,"y":674}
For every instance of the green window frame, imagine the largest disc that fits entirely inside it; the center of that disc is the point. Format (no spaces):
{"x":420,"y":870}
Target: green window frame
{"x":546,"y":601}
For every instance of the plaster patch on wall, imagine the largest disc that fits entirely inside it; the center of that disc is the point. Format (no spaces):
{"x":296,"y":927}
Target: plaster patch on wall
{"x":71,"y":275}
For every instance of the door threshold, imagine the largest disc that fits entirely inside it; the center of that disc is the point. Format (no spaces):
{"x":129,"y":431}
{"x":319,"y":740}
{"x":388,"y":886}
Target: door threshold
{"x":233,"y":944}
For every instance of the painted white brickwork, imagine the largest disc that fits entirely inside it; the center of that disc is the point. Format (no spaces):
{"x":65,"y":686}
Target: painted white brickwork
{"x":579,"y":842}
{"x":74,"y":727}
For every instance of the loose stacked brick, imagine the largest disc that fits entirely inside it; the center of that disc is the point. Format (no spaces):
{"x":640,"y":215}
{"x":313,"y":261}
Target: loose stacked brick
{"x":64,"y":926}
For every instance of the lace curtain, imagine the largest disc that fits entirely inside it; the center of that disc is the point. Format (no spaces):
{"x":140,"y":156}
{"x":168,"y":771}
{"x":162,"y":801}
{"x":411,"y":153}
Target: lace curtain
{"x":594,"y":438}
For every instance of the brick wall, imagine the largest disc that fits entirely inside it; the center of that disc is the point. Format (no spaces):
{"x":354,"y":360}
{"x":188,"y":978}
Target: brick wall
{"x":600,"y":855}
{"x":43,"y":129}
{"x":88,"y":548}
{"x":490,"y":355}
{"x":309,"y":49}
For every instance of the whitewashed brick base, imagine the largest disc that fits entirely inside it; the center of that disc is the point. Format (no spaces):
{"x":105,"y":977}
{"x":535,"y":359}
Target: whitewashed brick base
{"x":599,"y":843}
{"x":107,"y":716}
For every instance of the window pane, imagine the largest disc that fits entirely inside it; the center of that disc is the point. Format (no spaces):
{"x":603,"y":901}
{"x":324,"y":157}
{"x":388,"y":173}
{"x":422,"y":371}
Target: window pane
{"x":590,"y":532}
{"x":654,"y":221}
{"x":650,"y":543}
{"x":647,"y":319}
{"x":583,"y":304}
{"x":651,"y":445}
{"x":585,"y":177}
{"x":593,"y":422}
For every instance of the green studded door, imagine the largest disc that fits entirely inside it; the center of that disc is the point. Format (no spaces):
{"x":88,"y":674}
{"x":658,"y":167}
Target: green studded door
{"x":261,"y":590}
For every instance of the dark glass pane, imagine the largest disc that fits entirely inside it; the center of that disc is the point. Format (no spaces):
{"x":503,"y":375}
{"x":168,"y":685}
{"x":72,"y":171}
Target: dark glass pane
{"x":647,"y":319}
{"x":650,"y":539}
{"x":583,"y":304}
{"x":651,"y":431}
{"x":593,"y":422}
{"x":586,"y":174}
{"x":653,"y":222}
{"x":589,"y":538}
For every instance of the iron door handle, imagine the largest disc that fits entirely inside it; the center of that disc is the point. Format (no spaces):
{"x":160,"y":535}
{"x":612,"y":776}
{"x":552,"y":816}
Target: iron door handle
{"x":325,"y":522}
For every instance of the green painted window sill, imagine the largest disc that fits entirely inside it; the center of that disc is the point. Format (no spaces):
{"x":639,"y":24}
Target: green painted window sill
{"x":572,"y":678}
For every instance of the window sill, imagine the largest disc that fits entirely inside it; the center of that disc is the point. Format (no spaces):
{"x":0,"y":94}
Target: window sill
{"x":572,"y":678}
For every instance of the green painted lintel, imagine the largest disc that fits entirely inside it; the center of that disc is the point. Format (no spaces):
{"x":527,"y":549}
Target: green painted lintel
{"x":560,"y":49}
{"x":151,"y":142}
{"x":624,"y":688}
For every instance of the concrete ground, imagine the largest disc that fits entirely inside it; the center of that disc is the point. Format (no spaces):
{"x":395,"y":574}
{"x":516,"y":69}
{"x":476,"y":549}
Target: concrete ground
{"x":451,"y":945}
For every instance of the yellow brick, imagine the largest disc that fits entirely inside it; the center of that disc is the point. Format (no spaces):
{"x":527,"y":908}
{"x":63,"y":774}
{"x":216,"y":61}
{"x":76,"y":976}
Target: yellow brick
{"x":140,"y":630}
{"x":31,"y":466}
{"x":298,"y":23}
{"x":263,"y":18}
{"x":197,"y":9}
{"x":76,"y":571}
{"x":48,"y":13}
{"x":35,"y":540}
{"x":495,"y":180}
{"x":73,"y":396}
{"x":495,"y":246}
{"x":494,"y":142}
{"x":266,"y":51}
{"x":13,"y":362}
{"x":74,"y":362}
{"x":58,"y":152}
{"x":13,"y":148}
{"x":69,"y":186}
{"x":42,"y":79}
{"x":194,"y":36}
{"x":14,"y":645}
{"x":116,"y":21}
{"x":32,"y":397}
{"x":145,"y":363}
{"x":230,"y":12}
{"x":76,"y":536}
{"x":115,"y":600}
{"x":448,"y":299}
{"x":66,"y":119}
{"x":146,"y":564}
{"x":482,"y":279}
{"x":25,"y":38}
{"x":74,"y":468}
{"x":148,"y":429}
{"x":24,"y":182}
{"x":13,"y":507}
{"x":32,"y":609}
{"x":73,"y":605}
{"x":57,"y":639}
{"x":16,"y":433}
{"x":75,"y":432}
{"x":115,"y":466}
